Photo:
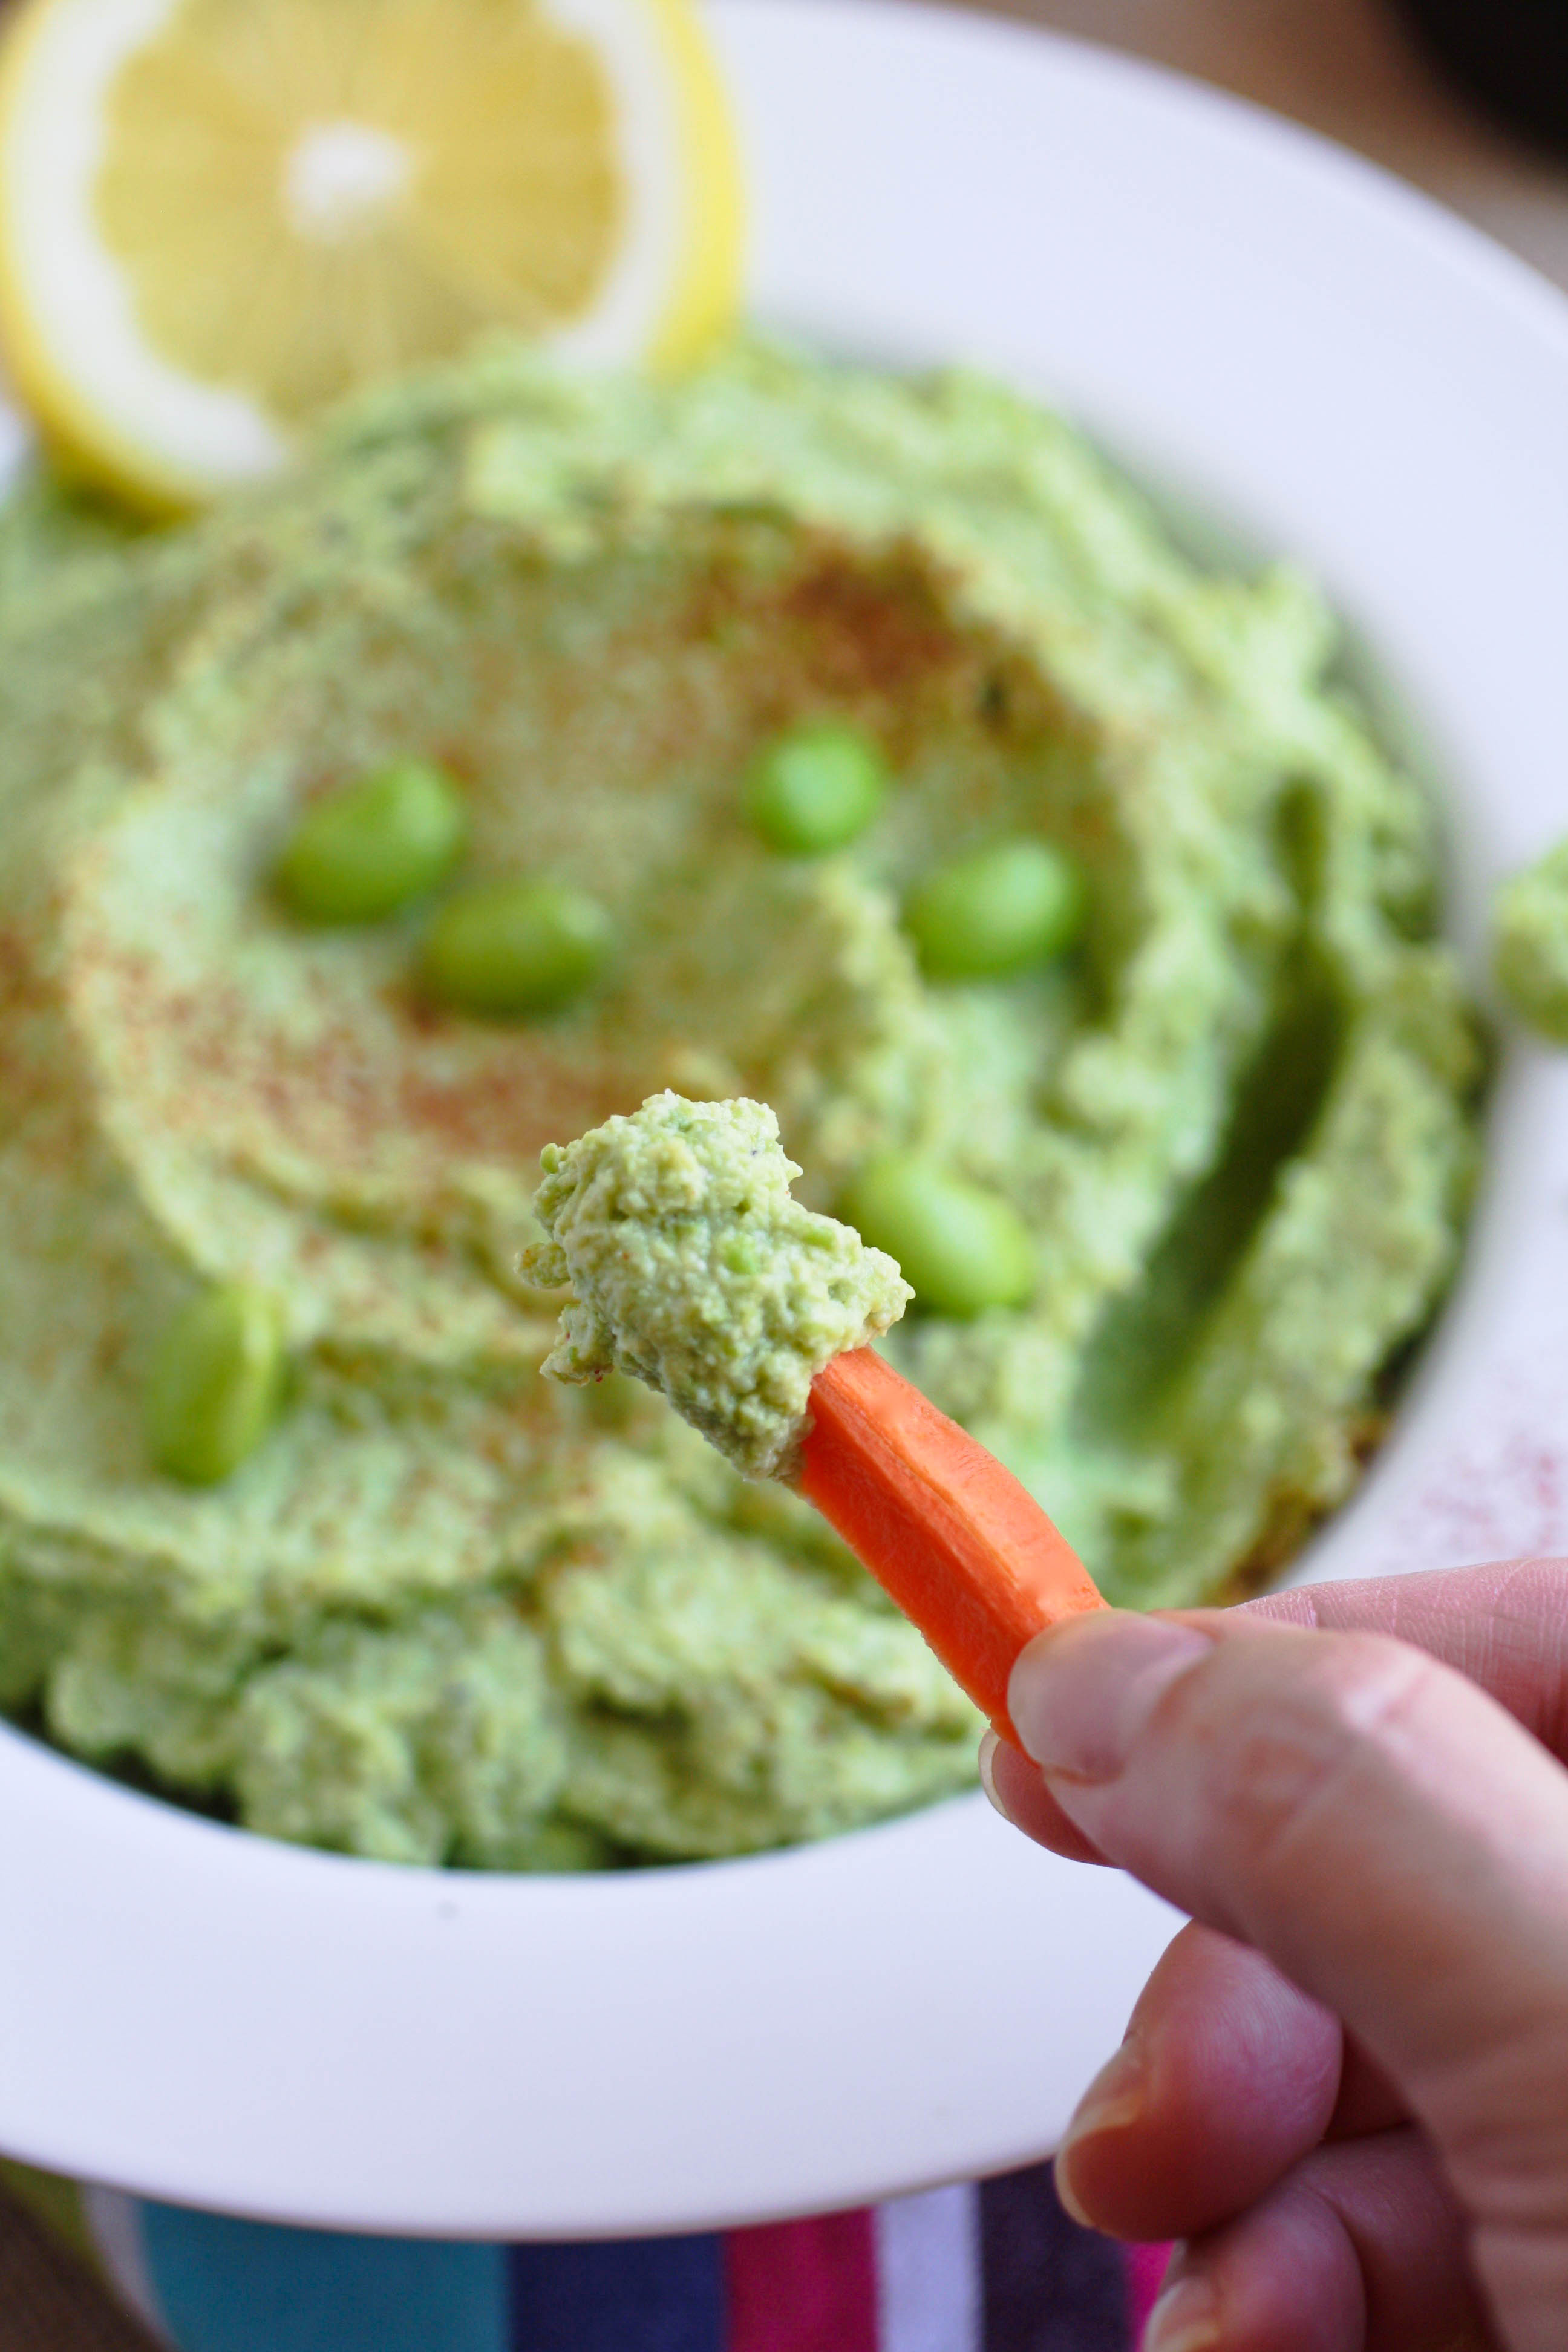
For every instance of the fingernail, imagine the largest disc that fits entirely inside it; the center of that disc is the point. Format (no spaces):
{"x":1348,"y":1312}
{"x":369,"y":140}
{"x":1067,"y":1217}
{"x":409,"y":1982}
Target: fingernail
{"x":1066,"y":2197}
{"x":1185,"y":2319}
{"x":989,"y":1744}
{"x":1080,"y":1696}
{"x":1117,"y":2098}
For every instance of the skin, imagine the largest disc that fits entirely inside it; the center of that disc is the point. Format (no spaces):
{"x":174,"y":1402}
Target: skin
{"x":1345,"y":2086}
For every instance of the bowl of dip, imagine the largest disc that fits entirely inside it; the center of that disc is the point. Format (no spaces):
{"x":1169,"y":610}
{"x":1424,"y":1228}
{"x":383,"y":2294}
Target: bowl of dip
{"x":1298,"y":359}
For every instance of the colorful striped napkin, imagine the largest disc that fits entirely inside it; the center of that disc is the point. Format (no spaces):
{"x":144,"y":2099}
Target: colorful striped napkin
{"x":987,"y":2266}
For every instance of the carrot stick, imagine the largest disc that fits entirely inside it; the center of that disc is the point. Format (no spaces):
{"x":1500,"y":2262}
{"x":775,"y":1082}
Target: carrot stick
{"x":965,"y":1551}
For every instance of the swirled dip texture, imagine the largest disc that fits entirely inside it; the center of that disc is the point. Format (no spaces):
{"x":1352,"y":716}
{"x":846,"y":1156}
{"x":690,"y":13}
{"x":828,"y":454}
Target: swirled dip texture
{"x":446,"y":1610}
{"x":695,"y":1270}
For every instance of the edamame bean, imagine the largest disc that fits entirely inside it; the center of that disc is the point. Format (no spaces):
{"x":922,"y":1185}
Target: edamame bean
{"x":216,"y":1383}
{"x":960,"y":1247}
{"x":505,"y":949}
{"x":815,"y":788}
{"x":997,"y":910}
{"x":368,"y":849}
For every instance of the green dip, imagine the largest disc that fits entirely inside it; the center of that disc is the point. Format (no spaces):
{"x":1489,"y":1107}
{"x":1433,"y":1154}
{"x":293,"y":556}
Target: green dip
{"x":693,"y":1269}
{"x":445,"y":1610}
{"x":1529,"y":943}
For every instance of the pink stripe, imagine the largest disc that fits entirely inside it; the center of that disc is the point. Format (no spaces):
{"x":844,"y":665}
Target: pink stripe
{"x":803,"y":2286}
{"x":1145,"y":2269}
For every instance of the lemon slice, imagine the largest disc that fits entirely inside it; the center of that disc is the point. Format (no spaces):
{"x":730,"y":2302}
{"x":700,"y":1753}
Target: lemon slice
{"x":216,"y":216}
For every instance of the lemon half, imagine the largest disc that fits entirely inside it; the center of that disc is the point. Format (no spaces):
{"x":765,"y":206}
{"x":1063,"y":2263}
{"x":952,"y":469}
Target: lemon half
{"x":216,"y":216}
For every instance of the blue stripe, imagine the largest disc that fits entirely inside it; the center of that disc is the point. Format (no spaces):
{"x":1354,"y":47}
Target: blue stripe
{"x":222,"y":2285}
{"x":631,"y":2295}
{"x":1049,"y":2286}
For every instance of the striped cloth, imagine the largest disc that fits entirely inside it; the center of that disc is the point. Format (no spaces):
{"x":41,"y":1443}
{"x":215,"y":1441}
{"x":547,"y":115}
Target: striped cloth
{"x":992,"y":2266}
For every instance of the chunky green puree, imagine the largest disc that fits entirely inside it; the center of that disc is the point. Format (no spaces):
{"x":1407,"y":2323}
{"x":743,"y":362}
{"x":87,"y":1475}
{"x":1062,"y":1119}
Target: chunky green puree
{"x":1529,"y":943}
{"x":856,"y":745}
{"x":693,"y":1269}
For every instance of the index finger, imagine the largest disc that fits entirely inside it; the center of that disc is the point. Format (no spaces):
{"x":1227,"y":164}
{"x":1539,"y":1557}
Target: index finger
{"x":1503,"y":1625}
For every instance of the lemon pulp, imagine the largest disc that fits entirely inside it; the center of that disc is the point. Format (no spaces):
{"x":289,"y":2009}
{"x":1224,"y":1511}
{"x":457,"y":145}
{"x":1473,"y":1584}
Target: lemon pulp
{"x":356,"y":188}
{"x":216,"y":216}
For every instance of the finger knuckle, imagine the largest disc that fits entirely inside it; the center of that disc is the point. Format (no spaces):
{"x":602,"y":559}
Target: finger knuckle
{"x":1308,"y":1741}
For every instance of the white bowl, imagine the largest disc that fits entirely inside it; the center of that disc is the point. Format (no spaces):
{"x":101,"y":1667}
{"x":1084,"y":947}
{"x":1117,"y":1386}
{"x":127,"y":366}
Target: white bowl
{"x":1316,"y":362}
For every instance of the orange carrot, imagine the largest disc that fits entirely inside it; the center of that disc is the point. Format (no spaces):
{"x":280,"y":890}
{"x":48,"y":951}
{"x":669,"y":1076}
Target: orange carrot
{"x":965,"y":1551}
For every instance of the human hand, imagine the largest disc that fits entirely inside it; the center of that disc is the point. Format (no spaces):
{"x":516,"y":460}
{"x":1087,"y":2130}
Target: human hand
{"x":1345,"y":2085}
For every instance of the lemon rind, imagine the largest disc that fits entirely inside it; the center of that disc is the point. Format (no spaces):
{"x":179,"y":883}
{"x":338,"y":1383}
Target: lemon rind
{"x":701,"y":301}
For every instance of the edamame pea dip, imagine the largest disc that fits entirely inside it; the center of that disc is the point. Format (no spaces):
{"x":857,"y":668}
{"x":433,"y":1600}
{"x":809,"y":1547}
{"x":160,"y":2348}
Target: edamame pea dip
{"x":856,"y":745}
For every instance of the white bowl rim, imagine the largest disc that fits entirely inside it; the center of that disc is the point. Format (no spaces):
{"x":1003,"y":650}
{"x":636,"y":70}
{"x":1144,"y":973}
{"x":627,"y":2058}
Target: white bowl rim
{"x":230,"y":2022}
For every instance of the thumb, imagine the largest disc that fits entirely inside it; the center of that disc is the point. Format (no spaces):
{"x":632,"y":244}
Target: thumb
{"x":1388,"y":1835}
